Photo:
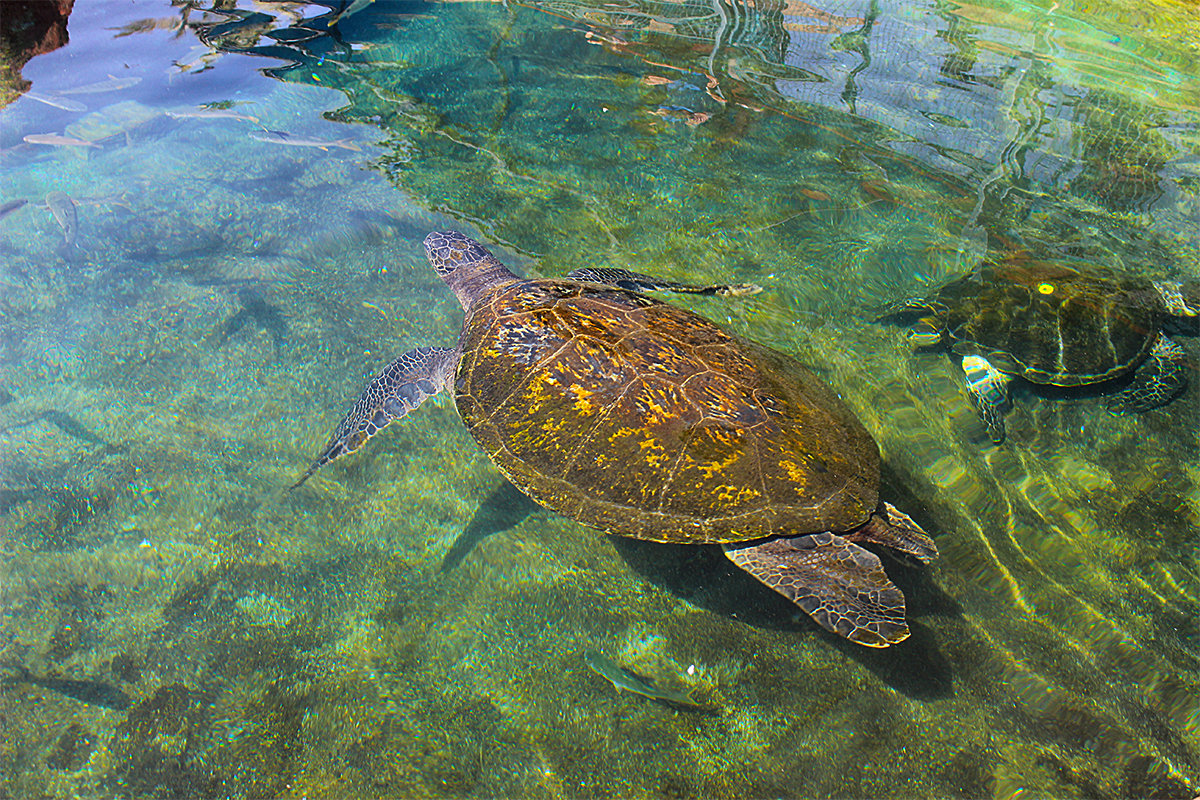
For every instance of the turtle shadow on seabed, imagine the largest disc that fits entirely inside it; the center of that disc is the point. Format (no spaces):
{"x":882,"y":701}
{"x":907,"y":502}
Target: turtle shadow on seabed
{"x":504,"y":508}
{"x":703,"y":576}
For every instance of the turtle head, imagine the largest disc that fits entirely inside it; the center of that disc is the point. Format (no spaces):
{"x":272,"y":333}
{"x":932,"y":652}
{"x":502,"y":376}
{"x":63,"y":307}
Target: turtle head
{"x":466,"y":266}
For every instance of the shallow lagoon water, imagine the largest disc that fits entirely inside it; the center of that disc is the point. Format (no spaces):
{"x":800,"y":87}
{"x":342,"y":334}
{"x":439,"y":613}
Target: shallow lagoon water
{"x":403,"y":626}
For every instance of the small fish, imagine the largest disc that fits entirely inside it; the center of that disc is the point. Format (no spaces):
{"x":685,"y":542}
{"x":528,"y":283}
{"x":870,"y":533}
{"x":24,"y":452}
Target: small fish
{"x":281,"y":137}
{"x":206,"y":113}
{"x":815,"y":194}
{"x":70,"y":426}
{"x":879,"y":190}
{"x":148,"y":25}
{"x":95,"y":693}
{"x":65,"y":423}
{"x":65,"y":214}
{"x":117,"y":200}
{"x":58,"y":140}
{"x":624,"y":678}
{"x":684,"y":115}
{"x":11,"y":206}
{"x":57,"y":102}
{"x":111,"y":85}
{"x":198,"y":59}
{"x":353,"y":8}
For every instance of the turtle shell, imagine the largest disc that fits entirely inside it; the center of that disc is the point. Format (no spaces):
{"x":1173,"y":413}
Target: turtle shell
{"x":1052,"y":324}
{"x":646,"y":420}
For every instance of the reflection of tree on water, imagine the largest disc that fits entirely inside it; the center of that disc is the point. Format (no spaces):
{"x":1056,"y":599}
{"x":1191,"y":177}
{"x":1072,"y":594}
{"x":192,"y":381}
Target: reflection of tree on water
{"x":998,"y":118}
{"x":915,"y":69}
{"x":909,"y":81}
{"x":28,"y":28}
{"x":31,"y":28}
{"x":1120,"y":151}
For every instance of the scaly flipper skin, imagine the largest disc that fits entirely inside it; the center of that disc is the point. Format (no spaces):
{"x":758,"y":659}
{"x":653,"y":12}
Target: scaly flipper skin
{"x":637,"y":282}
{"x":988,"y":388}
{"x":891,"y":527}
{"x":1159,"y":379}
{"x":405,"y":383}
{"x":839,"y":584}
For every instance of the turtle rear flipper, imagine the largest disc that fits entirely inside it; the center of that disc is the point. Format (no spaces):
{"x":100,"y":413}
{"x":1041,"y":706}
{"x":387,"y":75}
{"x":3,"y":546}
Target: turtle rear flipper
{"x":891,"y":527}
{"x":1155,"y":383}
{"x":405,"y":384}
{"x":839,"y":584}
{"x":637,"y":282}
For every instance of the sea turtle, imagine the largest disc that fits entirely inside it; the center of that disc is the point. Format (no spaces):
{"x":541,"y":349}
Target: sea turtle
{"x":1056,"y":325}
{"x":645,"y":420}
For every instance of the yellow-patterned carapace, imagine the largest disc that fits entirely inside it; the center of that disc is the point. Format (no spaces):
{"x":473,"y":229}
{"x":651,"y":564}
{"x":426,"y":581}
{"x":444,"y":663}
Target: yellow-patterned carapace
{"x":648,"y":421}
{"x":595,"y":397}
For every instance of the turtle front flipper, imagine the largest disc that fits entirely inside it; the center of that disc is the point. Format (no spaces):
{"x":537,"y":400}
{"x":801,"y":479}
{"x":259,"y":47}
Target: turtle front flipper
{"x":839,"y":584}
{"x":1155,"y":383}
{"x":637,"y":282}
{"x":988,"y":388}
{"x":405,"y":384}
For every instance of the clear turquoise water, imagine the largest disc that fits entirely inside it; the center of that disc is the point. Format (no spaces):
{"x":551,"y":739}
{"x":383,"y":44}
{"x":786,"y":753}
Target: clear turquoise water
{"x":174,"y":366}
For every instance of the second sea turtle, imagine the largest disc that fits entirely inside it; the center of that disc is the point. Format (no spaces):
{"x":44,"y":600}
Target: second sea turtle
{"x":1055,"y":324}
{"x":645,"y":420}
